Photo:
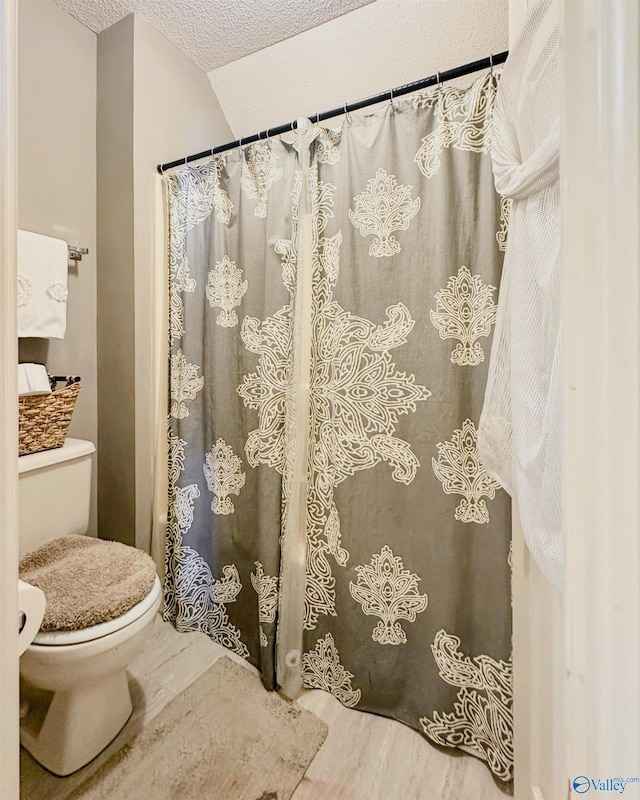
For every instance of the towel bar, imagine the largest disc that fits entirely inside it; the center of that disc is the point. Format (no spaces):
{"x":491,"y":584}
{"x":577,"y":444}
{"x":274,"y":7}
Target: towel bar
{"x":76,"y":253}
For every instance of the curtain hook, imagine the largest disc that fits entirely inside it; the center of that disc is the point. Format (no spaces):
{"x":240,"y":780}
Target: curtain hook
{"x":391,"y":98}
{"x":317,"y":117}
{"x":346,"y":113}
{"x":491,"y":63}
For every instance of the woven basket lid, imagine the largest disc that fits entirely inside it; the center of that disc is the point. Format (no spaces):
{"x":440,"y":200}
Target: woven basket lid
{"x":87,"y":581}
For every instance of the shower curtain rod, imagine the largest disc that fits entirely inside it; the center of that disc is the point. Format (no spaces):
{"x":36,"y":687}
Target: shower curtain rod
{"x":432,"y":80}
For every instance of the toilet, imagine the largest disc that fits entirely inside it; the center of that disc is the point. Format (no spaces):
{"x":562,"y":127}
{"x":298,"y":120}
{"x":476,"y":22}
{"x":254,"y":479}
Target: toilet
{"x":75,"y":696}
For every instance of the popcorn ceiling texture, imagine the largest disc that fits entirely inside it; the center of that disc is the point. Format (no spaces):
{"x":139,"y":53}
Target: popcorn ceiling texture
{"x":214,"y":32}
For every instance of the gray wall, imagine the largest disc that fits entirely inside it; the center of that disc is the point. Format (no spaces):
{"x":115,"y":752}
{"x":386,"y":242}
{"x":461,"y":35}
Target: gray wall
{"x":57,"y":183}
{"x":106,"y":108}
{"x":153,"y":105}
{"x":175,"y":113}
{"x":116,"y":342}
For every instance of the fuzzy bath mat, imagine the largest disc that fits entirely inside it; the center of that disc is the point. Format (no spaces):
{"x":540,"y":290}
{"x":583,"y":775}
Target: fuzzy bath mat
{"x":222,"y":738}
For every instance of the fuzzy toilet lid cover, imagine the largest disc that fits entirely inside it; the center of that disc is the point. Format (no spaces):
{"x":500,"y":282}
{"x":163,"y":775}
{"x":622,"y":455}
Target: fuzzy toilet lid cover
{"x":87,"y":581}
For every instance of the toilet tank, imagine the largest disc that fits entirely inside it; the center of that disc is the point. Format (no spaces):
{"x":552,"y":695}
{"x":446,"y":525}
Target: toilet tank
{"x":54,"y":490}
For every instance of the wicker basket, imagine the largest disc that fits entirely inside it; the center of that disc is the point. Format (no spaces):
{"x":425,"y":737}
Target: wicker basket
{"x":44,"y":419}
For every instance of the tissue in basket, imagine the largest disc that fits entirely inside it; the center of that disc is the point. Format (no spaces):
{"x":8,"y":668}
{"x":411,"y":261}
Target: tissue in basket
{"x":44,"y":419}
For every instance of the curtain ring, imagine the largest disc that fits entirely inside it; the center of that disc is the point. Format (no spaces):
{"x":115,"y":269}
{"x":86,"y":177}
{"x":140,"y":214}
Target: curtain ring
{"x":491,"y":63}
{"x":347,"y":114}
{"x":391,"y":97}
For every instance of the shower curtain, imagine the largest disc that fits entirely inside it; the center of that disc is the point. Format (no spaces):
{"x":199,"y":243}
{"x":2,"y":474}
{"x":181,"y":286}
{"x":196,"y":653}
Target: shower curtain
{"x":331,"y":309}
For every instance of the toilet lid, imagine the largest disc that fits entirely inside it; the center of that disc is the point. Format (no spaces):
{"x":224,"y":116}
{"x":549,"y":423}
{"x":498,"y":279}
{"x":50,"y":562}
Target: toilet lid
{"x":58,"y":638}
{"x":87,"y":581}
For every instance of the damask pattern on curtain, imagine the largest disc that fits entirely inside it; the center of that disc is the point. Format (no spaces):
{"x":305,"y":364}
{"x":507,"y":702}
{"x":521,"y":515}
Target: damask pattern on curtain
{"x":407,"y":598}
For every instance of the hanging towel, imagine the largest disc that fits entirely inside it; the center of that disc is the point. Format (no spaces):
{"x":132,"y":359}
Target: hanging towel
{"x":32,"y":380}
{"x":42,"y":286}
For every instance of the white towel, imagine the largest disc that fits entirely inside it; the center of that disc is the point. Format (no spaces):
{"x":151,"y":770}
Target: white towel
{"x":32,"y":379}
{"x":42,"y":286}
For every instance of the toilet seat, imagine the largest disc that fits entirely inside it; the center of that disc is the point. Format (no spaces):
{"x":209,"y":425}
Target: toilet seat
{"x":87,"y":581}
{"x":59,"y":638}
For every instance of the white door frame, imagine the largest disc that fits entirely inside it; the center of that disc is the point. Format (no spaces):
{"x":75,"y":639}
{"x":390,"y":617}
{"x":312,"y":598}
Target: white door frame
{"x":577,"y":657}
{"x":9,"y":724}
{"x":600,"y":192}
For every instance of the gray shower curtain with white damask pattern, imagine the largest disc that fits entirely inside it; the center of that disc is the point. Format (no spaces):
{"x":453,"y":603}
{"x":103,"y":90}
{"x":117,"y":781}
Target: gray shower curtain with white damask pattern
{"x":331,"y":312}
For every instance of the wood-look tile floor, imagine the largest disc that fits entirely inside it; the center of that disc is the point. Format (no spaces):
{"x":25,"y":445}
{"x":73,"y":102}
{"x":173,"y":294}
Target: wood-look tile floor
{"x":364,"y":757}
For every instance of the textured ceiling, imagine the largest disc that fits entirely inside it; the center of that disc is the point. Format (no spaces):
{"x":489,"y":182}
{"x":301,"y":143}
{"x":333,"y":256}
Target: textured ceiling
{"x":214,"y":32}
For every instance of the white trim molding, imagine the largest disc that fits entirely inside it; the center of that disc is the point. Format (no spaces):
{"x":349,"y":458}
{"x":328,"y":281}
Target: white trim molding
{"x":600,"y":184}
{"x":9,"y":723}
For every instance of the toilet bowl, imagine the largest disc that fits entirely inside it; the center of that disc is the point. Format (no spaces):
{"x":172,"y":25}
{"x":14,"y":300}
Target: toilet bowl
{"x":75,"y":685}
{"x":75,"y":696}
